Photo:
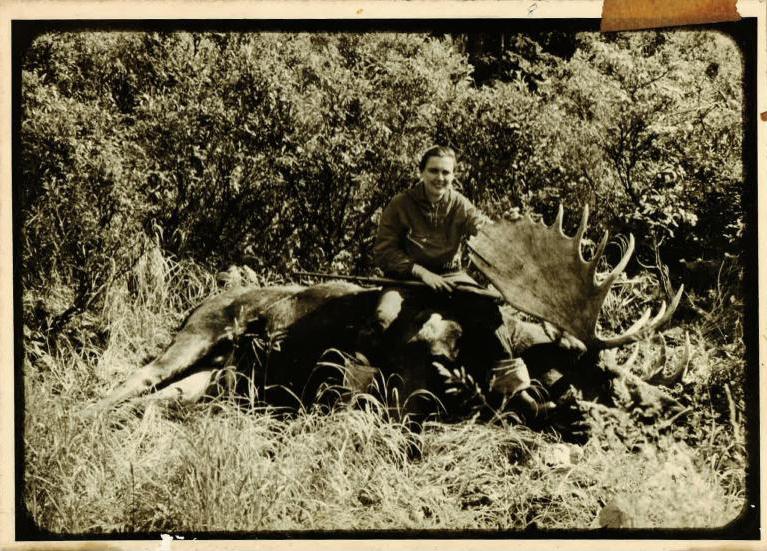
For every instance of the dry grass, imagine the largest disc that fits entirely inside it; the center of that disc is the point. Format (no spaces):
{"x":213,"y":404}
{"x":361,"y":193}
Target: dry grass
{"x":215,"y":467}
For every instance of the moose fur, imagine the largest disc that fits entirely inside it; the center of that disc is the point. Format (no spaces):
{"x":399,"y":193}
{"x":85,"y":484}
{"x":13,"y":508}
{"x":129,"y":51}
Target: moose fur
{"x":279,"y":336}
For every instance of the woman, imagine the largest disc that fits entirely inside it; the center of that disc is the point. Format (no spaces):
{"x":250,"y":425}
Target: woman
{"x":421,"y":233}
{"x":422,"y":229}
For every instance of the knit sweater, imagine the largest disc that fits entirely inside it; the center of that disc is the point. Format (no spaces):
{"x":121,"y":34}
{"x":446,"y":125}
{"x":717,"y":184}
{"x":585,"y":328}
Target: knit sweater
{"x":414,"y":230}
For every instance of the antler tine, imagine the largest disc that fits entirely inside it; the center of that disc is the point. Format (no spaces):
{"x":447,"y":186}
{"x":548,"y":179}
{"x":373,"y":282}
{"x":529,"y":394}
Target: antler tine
{"x":582,"y":225}
{"x":658,"y":377}
{"x":685,"y":362}
{"x":641,"y":322}
{"x":582,"y":228}
{"x":641,"y":328}
{"x":659,"y":315}
{"x":612,"y":276}
{"x":594,"y":262}
{"x":632,"y":334}
{"x":578,"y":237}
{"x":610,"y":357}
{"x":558,"y":221}
{"x":671,"y":307}
{"x":659,"y":363}
{"x":677,"y":375}
{"x":632,"y":359}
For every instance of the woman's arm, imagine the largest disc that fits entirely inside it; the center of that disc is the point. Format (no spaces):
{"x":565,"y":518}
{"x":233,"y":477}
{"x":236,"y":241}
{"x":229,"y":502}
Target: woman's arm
{"x":473,"y":218}
{"x":387,"y":251}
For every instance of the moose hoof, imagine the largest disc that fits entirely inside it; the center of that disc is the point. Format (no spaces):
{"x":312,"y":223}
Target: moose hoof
{"x":530,"y":408}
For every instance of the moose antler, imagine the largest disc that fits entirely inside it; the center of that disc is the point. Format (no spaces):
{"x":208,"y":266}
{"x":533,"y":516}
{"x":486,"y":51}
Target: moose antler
{"x":658,"y":373}
{"x":540,"y":270}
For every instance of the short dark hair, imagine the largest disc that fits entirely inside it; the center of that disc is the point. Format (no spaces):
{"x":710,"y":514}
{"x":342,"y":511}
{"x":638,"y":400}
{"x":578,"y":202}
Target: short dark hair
{"x":435,"y":151}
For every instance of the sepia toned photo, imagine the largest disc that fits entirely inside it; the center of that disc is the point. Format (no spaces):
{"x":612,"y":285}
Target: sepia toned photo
{"x":462,"y":278}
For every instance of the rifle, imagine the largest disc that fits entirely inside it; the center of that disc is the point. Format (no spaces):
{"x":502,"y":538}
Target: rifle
{"x":460,"y":286}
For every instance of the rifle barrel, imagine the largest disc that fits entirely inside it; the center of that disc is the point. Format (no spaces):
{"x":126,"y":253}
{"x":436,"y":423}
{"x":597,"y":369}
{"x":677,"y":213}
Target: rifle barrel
{"x":385,"y":281}
{"x":364,"y":279}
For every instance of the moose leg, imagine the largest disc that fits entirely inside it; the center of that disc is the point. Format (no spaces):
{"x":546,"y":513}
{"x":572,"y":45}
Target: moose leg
{"x":186,"y":351}
{"x":188,"y":390}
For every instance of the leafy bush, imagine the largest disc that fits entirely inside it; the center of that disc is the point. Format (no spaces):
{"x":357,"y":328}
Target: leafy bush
{"x":279,"y":150}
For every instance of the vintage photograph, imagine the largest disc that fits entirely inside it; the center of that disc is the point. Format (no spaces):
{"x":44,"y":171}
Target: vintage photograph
{"x":459,"y":278}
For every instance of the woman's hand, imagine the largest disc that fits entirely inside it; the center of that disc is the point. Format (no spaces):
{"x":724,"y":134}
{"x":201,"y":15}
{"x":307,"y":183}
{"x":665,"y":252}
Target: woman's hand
{"x":435,"y":281}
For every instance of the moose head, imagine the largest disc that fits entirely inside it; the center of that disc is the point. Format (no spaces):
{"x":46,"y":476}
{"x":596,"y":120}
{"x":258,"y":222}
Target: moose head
{"x":541,"y":271}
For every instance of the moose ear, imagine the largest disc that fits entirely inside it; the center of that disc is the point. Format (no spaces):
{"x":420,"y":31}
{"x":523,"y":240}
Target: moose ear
{"x":541,"y":271}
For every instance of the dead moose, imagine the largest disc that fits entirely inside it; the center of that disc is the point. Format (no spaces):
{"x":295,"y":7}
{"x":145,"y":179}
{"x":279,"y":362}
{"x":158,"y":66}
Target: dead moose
{"x":435,"y":350}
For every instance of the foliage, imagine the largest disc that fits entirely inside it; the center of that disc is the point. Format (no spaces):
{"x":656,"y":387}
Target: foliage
{"x":216,"y":468}
{"x":279,"y":150}
{"x":224,"y":470}
{"x":242,"y":141}
{"x":81,"y":210}
{"x":662,"y":109}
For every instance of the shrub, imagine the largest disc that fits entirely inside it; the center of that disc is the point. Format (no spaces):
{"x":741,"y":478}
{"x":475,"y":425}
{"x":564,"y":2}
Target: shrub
{"x":279,"y":150}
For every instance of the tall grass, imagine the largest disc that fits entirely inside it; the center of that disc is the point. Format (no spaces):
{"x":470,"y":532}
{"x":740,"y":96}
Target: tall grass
{"x":216,"y":467}
{"x":142,"y":310}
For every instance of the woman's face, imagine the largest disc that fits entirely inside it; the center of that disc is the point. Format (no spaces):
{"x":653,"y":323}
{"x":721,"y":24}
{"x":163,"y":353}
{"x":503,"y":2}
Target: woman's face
{"x":437,"y":177}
